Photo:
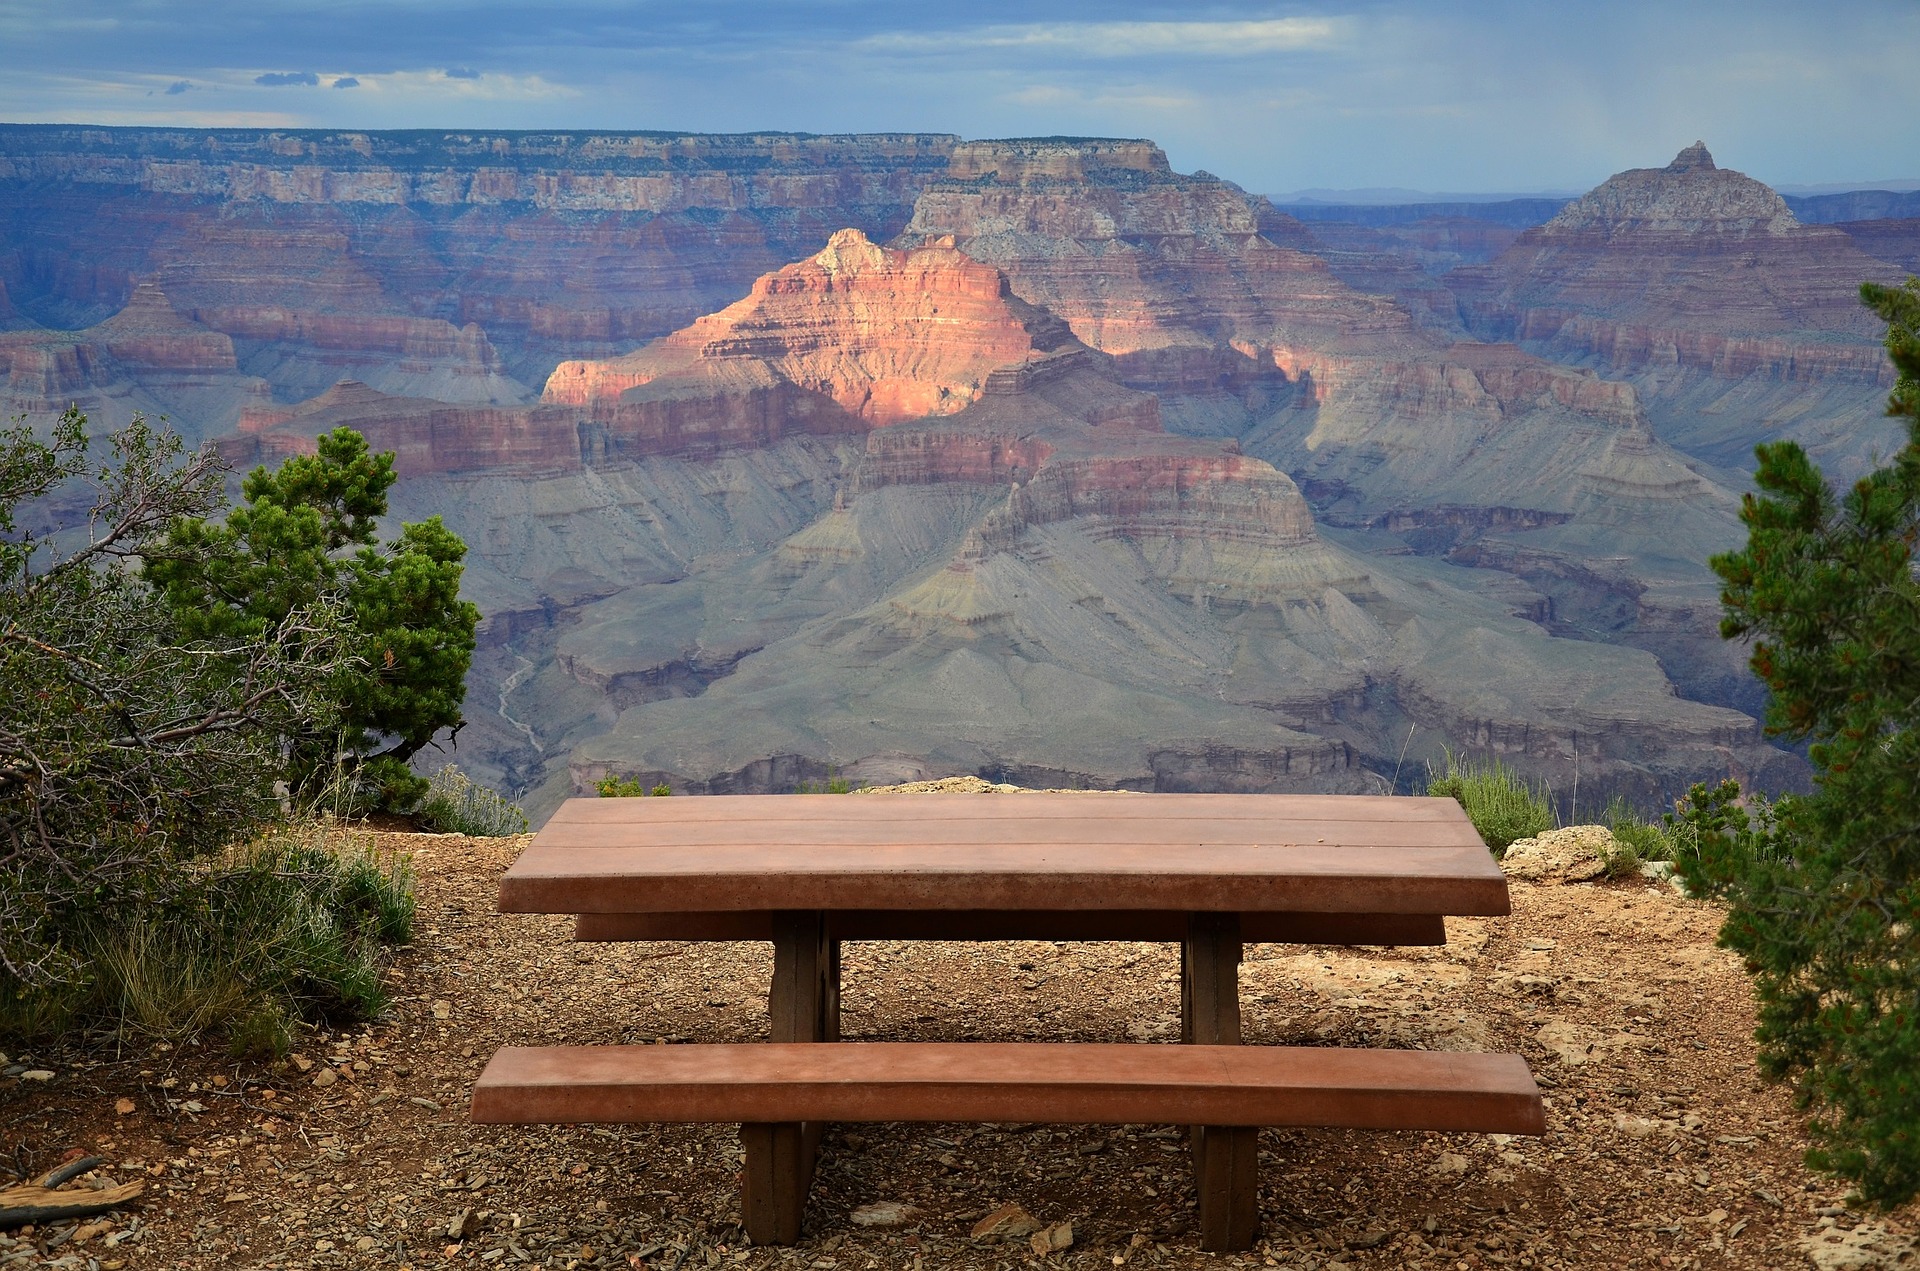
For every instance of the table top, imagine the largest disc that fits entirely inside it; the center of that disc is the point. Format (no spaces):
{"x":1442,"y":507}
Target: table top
{"x":1168,"y":852}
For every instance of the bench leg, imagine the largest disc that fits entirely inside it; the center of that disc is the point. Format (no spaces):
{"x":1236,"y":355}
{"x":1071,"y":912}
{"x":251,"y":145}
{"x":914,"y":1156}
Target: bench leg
{"x":1224,"y":1157}
{"x":803,"y":1006}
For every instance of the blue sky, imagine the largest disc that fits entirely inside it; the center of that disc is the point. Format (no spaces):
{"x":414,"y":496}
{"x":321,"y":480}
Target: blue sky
{"x":1476,"y":95}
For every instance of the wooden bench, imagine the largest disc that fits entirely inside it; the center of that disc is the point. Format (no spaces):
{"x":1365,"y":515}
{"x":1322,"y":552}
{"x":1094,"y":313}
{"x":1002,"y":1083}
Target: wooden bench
{"x":808,"y":872}
{"x":766,"y":1085}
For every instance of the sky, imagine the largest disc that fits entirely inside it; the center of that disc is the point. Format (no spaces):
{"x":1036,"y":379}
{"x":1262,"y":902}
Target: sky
{"x":1467,"y":95}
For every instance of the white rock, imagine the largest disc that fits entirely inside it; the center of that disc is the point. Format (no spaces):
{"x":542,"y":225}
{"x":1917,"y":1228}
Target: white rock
{"x":885,"y":1213}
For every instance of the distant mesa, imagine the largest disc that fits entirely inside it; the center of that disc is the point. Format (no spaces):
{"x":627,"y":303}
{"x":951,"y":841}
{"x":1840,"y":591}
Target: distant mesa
{"x":1688,"y":196}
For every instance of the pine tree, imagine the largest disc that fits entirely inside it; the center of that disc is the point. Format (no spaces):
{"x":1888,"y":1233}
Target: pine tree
{"x":1823,"y":890}
{"x":306,"y":534}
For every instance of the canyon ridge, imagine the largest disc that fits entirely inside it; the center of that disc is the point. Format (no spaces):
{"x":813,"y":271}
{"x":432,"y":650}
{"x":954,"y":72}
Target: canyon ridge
{"x":787,"y":457}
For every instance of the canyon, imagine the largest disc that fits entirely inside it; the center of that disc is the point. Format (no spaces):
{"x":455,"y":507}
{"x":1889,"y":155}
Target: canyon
{"x":783,"y":457}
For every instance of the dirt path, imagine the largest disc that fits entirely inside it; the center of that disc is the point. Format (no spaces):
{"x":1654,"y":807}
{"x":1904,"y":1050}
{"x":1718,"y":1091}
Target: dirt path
{"x":1663,"y":1149}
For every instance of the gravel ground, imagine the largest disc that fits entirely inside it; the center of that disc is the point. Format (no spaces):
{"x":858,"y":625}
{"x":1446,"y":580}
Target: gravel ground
{"x":1663,"y":1149}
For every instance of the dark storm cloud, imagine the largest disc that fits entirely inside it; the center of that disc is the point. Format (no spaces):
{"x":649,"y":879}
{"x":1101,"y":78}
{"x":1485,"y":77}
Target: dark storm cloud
{"x":1460,"y":95}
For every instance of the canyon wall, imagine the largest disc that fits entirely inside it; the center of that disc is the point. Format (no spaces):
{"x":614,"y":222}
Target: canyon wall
{"x":899,"y":455}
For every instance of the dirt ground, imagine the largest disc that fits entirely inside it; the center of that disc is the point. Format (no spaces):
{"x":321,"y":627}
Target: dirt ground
{"x":1663,"y":1150}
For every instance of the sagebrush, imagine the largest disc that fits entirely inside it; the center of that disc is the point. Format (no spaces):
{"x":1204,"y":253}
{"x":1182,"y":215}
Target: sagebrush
{"x":457,"y":804}
{"x":1503,"y":806}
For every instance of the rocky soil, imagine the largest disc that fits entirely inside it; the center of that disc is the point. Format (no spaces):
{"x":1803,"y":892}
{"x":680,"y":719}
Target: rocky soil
{"x":1663,"y":1150}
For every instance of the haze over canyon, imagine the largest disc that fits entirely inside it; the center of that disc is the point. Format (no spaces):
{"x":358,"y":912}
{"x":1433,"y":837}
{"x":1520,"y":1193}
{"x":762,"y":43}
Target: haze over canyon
{"x":900,"y":455}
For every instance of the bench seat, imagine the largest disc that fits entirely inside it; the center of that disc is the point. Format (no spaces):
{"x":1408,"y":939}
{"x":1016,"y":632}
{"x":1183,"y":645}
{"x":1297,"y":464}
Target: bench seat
{"x":1069,"y":1083}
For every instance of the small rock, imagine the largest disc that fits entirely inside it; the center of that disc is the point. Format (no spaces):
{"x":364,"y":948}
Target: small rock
{"x":1051,"y":1238}
{"x":1009,"y":1222}
{"x":36,"y":1074}
{"x":325,"y":1077}
{"x":1371,"y":1238}
{"x":464,"y":1224}
{"x":1575,"y":854}
{"x":885,"y":1213}
{"x":366,"y":1244}
{"x":301,"y":1062}
{"x":443,"y":1009}
{"x":122,"y":1107}
{"x":1449,"y":1163}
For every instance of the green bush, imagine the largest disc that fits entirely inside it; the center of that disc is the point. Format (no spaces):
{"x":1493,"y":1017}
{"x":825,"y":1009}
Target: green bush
{"x":456,"y":804}
{"x":1639,"y":840}
{"x":1502,"y":805}
{"x":612,"y":787}
{"x":293,"y":929}
{"x":834,"y":784}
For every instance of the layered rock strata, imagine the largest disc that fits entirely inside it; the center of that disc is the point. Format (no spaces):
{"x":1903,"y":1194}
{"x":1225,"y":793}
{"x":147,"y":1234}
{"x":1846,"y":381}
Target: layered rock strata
{"x":1694,"y":280}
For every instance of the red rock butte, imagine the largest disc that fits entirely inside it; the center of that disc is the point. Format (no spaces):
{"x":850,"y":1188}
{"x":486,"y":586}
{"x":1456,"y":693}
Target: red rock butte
{"x":885,"y":334}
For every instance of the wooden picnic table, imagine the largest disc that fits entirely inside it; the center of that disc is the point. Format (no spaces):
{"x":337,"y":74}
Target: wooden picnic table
{"x":810,"y":871}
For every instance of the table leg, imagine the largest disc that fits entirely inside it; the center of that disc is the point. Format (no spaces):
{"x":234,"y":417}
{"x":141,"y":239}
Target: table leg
{"x":801,"y":1008}
{"x":1224,"y":1157}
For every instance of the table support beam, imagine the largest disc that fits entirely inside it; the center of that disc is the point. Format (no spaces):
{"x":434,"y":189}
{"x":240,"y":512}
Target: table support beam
{"x":1224,"y":1157}
{"x":803,"y":1006}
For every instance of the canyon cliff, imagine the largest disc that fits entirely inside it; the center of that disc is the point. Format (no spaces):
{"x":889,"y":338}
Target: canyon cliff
{"x":900,"y":455}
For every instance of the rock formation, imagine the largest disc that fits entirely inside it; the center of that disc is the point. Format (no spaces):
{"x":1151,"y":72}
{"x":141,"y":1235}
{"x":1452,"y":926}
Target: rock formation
{"x":1700,"y":286}
{"x":898,"y":455}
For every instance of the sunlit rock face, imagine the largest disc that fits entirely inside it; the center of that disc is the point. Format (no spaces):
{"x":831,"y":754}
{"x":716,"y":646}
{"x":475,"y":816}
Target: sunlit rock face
{"x":883,"y":334}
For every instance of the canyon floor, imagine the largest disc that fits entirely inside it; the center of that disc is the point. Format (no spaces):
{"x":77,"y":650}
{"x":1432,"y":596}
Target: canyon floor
{"x":1663,"y":1150}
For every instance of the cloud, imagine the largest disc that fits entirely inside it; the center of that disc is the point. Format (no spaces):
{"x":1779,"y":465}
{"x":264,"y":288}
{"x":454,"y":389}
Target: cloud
{"x":346,"y":81}
{"x":178,"y":87}
{"x":461,"y":72}
{"x":280,"y":79}
{"x":1124,"y":39}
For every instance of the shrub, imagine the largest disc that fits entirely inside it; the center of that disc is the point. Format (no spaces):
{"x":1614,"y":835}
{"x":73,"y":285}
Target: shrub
{"x":612,"y":787}
{"x":1823,"y":890}
{"x":1639,"y":841}
{"x":291,"y":929}
{"x":1503,"y":806}
{"x":456,"y":804}
{"x":128,"y":748}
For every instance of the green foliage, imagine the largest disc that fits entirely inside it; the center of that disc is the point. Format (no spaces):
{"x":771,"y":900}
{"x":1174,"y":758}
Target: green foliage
{"x":612,"y":787}
{"x":141,"y":740}
{"x":1503,"y":807}
{"x":1823,"y":890}
{"x":456,"y":804}
{"x":305,"y":535}
{"x":1637,"y":840}
{"x":834,"y":784}
{"x":290,"y":930}
{"x":128,"y":747}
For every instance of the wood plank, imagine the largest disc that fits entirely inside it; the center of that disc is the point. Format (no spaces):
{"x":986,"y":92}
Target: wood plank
{"x":1319,"y":879}
{"x":1053,"y":1082}
{"x":1031,"y":924}
{"x":708,"y":809}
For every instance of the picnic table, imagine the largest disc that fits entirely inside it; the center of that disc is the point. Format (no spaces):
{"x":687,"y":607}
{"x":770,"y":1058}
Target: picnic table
{"x":810,"y":871}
